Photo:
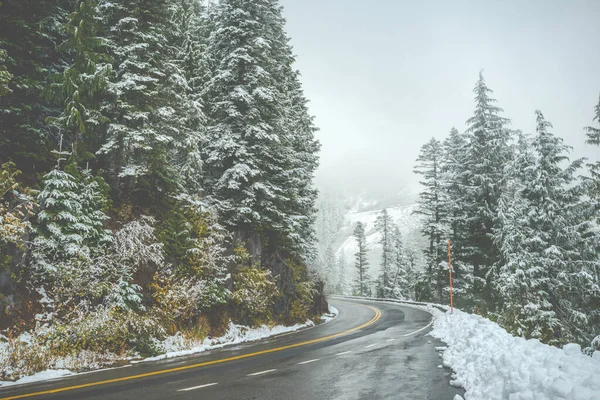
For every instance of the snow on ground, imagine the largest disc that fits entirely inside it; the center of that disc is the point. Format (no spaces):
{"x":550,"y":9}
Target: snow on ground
{"x":333,"y":312}
{"x":40,"y":376}
{"x":492,"y":364}
{"x":177,"y":345}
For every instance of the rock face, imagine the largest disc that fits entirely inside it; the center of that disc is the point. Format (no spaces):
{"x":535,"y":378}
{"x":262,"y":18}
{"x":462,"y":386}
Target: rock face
{"x":286,"y":279}
{"x":287,"y":272}
{"x":320,"y":305}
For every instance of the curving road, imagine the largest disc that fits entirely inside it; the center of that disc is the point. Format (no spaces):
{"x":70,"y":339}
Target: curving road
{"x":370,"y":351}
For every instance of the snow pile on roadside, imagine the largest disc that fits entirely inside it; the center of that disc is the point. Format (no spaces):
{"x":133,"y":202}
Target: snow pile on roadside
{"x":177,"y":345}
{"x":40,"y":376}
{"x":173,"y":346}
{"x":333,"y":312}
{"x":492,"y":364}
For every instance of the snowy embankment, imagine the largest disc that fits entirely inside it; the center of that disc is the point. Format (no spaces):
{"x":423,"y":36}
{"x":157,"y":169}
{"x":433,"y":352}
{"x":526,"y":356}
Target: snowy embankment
{"x":492,"y":364}
{"x":177,"y":346}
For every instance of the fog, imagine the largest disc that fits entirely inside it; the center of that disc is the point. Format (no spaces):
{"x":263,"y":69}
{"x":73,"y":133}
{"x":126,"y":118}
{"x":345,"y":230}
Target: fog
{"x":384,"y":76}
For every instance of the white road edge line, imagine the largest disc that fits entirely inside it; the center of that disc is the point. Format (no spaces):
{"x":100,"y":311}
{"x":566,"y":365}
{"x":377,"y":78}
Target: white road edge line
{"x":345,"y":352}
{"x":262,"y":372}
{"x":371,"y":345}
{"x":309,"y":361}
{"x":197,"y":387}
{"x":417,"y":331}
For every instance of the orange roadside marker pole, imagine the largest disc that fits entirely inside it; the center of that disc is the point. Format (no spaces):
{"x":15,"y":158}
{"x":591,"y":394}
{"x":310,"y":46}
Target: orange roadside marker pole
{"x":450,"y":272}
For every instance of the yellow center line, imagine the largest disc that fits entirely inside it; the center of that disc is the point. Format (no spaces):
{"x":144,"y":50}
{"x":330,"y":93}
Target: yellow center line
{"x":203,"y":364}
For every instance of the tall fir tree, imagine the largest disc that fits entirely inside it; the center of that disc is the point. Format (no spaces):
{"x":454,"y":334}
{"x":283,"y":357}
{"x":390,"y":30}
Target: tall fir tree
{"x":146,"y":112}
{"x":593,"y":134}
{"x":548,"y":276}
{"x":299,"y":133}
{"x":489,"y":152}
{"x":82,"y":86}
{"x":433,"y":207}
{"x":384,"y":226}
{"x":5,"y":76}
{"x":454,"y":182}
{"x":401,"y":271}
{"x":29,"y":46}
{"x":342,"y":284}
{"x":362,"y":285}
{"x":187,"y":34}
{"x":329,"y":266}
{"x":258,"y":170}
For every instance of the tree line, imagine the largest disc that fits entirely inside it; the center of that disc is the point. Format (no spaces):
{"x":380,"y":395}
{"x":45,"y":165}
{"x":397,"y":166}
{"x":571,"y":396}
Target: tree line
{"x":396,"y":278}
{"x":523,"y":223}
{"x":157,"y":167}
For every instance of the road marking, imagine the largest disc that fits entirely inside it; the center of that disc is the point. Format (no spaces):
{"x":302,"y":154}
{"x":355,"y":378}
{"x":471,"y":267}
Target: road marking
{"x":389,"y":340}
{"x":203,"y":364}
{"x":197,"y":387}
{"x":371,"y":345}
{"x":309,"y":361}
{"x":345,"y":352}
{"x":412,"y":333}
{"x":262,"y":372}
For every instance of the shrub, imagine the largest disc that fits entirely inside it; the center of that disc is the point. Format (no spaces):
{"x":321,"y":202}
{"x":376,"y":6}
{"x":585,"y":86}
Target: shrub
{"x":300,"y":306}
{"x":19,"y":357}
{"x":254,"y":295}
{"x":107,"y":329}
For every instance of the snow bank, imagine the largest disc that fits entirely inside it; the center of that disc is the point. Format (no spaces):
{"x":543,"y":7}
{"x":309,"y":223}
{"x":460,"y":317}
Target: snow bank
{"x":177,"y":346}
{"x":40,"y":376}
{"x":492,"y":364}
{"x":173,"y":346}
{"x":333,"y":312}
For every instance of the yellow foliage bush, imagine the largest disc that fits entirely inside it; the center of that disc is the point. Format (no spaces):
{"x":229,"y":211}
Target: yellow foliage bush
{"x":254,"y":295}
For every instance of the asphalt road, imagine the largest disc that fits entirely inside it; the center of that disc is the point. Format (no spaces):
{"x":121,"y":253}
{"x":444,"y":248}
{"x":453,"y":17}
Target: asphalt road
{"x":370,"y":351}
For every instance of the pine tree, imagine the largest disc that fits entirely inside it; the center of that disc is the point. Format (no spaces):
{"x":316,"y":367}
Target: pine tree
{"x":146,"y":113}
{"x":362,"y":282}
{"x":258,"y":171}
{"x":400,"y":277}
{"x":489,"y":152}
{"x":454,"y":183}
{"x":70,"y":223}
{"x":411,"y":273}
{"x":384,"y":226}
{"x":81,"y":87}
{"x":187,"y":35}
{"x":433,"y":205}
{"x":329,"y":265}
{"x":329,"y":221}
{"x":342,"y":285}
{"x":518,"y":285}
{"x":5,"y":76}
{"x":593,"y":135}
{"x":304,"y":163}
{"x":299,"y":133}
{"x":29,"y":45}
{"x":547,"y":243}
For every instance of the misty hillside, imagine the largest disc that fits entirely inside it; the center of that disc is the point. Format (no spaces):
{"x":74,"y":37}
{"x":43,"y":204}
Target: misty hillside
{"x":409,"y":224}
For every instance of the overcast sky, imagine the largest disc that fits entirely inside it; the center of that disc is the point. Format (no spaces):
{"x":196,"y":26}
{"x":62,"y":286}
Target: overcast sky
{"x":384,"y":76}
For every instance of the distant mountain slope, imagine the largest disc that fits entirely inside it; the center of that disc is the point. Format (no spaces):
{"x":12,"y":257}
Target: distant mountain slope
{"x":409,"y":224}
